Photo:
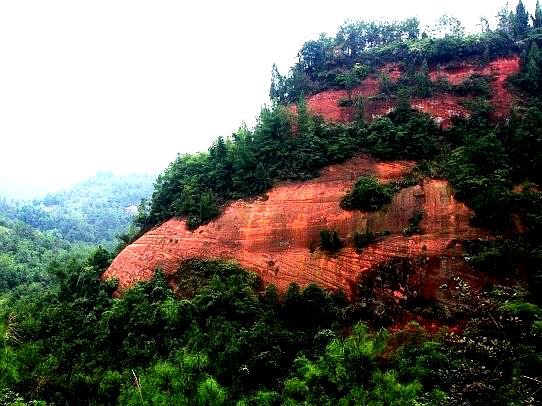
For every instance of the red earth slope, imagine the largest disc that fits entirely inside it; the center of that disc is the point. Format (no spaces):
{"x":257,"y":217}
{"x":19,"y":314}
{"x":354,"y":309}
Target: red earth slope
{"x":442,"y":107}
{"x":277,"y":235}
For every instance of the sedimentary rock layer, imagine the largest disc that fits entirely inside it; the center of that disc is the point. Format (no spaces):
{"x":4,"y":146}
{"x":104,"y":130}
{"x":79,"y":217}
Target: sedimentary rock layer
{"x":442,"y":107}
{"x":277,"y":235}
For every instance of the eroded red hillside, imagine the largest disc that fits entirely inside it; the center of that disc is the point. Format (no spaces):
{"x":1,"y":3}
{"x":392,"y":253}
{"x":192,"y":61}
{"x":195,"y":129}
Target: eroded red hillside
{"x":442,"y":107}
{"x":277,"y":235}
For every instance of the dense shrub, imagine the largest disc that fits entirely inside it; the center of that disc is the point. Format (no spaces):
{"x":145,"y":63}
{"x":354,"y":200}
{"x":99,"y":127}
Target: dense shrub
{"x":475,"y":85}
{"x":368,"y":194}
{"x":404,"y":134}
{"x":330,"y":240}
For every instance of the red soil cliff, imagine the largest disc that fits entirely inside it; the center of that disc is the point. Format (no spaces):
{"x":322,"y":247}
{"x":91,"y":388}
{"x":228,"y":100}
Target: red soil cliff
{"x":442,"y":107}
{"x":277,"y":235}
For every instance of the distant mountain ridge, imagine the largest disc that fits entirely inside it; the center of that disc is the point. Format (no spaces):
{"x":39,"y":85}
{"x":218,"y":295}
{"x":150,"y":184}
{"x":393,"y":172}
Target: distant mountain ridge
{"x":95,"y":210}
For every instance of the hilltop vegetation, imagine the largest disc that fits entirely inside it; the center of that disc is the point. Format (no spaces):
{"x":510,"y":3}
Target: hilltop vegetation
{"x":225,"y":339}
{"x":288,"y":146}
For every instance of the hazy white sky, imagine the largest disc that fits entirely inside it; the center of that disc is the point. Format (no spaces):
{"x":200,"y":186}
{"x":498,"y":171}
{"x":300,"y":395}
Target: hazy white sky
{"x":125,"y":85}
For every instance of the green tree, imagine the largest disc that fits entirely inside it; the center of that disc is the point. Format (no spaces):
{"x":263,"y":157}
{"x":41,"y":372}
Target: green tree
{"x":208,"y":207}
{"x":520,"y":22}
{"x":305,"y":125}
{"x":277,"y":84}
{"x":210,"y":393}
{"x":352,"y":78}
{"x":330,"y":240}
{"x":423,"y":81}
{"x":533,"y":68}
{"x":537,"y":18}
{"x":385,"y":84}
{"x":262,"y":182}
{"x":368,"y":194}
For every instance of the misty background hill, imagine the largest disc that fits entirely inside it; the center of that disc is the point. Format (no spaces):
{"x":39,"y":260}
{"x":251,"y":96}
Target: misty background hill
{"x":95,"y":210}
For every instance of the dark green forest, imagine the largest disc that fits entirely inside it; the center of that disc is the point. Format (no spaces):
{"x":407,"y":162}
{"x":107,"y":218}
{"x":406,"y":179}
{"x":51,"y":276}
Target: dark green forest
{"x":223,"y":338}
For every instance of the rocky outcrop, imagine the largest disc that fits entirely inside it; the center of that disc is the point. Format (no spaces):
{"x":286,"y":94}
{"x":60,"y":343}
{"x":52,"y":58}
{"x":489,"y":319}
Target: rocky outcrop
{"x":442,"y":107}
{"x":277,"y":235}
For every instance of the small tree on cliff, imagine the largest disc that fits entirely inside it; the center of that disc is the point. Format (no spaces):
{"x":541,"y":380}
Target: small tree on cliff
{"x":385,"y":84}
{"x":330,"y":240}
{"x":352,"y":78}
{"x":305,"y":125}
{"x":423,"y":81}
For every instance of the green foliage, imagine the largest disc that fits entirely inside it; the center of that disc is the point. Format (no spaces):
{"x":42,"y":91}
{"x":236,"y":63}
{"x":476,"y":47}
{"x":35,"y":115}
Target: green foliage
{"x":368,"y":194}
{"x":537,"y":17}
{"x":224,"y":341}
{"x":227,"y":341}
{"x":496,"y":257}
{"x":520,"y":21}
{"x":93,"y":211}
{"x":196,"y":186}
{"x":492,"y":363}
{"x":479,"y":173}
{"x":25,"y":253}
{"x":476,"y":85}
{"x":363,"y":240}
{"x":348,"y":372}
{"x":404,"y":134}
{"x":524,"y":143}
{"x":352,"y":78}
{"x":222,"y":338}
{"x":529,"y":79}
{"x":322,"y":62}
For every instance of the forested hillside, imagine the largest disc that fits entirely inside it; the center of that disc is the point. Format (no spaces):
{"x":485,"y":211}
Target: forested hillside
{"x":212,"y":333}
{"x":25,"y":254}
{"x":96,"y":210}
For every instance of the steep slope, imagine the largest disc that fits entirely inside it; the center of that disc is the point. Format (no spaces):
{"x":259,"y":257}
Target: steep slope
{"x":442,"y":107}
{"x":277,"y":235}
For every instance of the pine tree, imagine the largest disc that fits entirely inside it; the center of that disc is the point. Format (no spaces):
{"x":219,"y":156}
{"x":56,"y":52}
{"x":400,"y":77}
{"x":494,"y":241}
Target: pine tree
{"x":261,"y":179}
{"x":304,"y":121}
{"x":537,"y":18}
{"x":532,"y":70}
{"x":277,"y":84}
{"x":208,"y":207}
{"x":506,"y":18}
{"x":520,"y":21}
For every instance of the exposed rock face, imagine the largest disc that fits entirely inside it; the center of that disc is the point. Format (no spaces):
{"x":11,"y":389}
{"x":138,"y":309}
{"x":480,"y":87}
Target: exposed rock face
{"x":441,"y":107}
{"x":277,"y":235}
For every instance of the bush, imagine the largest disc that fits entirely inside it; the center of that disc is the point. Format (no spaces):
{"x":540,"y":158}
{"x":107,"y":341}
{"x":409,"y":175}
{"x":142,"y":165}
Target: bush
{"x":330,"y":241}
{"x":368,"y":194}
{"x":363,"y":240}
{"x":475,"y":85}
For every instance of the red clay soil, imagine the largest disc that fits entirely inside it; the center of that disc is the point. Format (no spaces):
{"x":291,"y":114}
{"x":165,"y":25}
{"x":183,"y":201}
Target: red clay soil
{"x":277,"y":235}
{"x":442,"y":107}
